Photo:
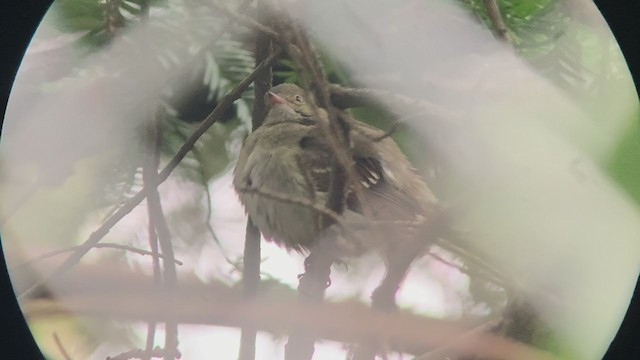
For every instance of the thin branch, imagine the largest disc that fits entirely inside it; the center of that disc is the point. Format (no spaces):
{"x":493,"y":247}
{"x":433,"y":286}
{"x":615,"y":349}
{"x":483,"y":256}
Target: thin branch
{"x":301,"y":51}
{"x":449,"y":351}
{"x":251,"y":258}
{"x":392,"y":129}
{"x":499,"y":27}
{"x":496,"y":275}
{"x":463,"y":269}
{"x":200,"y":159}
{"x":63,"y":351}
{"x":144,"y":9}
{"x":150,"y":169}
{"x":244,"y":20}
{"x":344,"y":97}
{"x":208,"y":198}
{"x":96,"y":246}
{"x":128,"y":206}
{"x":291,"y":200}
{"x":157,"y":217}
{"x":250,"y":287}
{"x":336,"y":131}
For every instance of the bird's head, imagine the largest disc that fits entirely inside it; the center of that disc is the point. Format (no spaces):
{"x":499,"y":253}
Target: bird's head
{"x":289,"y":95}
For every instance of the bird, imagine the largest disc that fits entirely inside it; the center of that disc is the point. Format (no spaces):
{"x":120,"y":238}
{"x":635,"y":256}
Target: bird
{"x":284,"y":172}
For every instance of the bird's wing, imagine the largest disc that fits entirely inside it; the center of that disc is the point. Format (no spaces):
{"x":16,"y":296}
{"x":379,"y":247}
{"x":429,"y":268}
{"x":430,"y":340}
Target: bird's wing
{"x":380,"y":197}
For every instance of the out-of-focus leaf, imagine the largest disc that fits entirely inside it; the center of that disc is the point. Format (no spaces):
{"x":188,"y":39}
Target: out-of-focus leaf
{"x":624,"y":165}
{"x":78,"y":15}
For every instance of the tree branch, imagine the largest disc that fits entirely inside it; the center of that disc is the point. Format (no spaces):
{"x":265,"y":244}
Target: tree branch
{"x":128,"y":206}
{"x":251,"y":258}
{"x":96,"y":246}
{"x":344,"y":97}
{"x":499,"y":27}
{"x":63,"y":351}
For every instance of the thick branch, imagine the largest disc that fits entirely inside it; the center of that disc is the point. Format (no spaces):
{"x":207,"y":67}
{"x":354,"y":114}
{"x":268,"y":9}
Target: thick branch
{"x":157,"y":218}
{"x":114,"y":18}
{"x":146,"y":354}
{"x":97,"y":246}
{"x":344,"y":98}
{"x":63,"y":351}
{"x":449,"y":351}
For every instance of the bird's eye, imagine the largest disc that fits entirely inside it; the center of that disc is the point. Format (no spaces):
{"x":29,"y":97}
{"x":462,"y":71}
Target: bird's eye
{"x":298,"y":98}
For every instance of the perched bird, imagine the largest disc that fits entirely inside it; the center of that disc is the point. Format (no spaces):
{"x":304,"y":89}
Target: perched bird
{"x":286,"y":172}
{"x":291,"y":157}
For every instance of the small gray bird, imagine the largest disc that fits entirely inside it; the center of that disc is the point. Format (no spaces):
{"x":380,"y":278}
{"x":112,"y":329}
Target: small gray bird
{"x":289,"y":156}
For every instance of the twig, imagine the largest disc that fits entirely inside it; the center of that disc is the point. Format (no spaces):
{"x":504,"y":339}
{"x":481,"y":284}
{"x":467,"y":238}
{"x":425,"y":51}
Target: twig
{"x":208,"y":198}
{"x":496,"y":275}
{"x":245,"y":20}
{"x":251,"y":258}
{"x":297,"y":201}
{"x":343,"y":97}
{"x":22,"y":199}
{"x":493,"y":11}
{"x":337,"y":131}
{"x":392,"y":129}
{"x":157,"y":217}
{"x":128,"y":206}
{"x":97,"y":246}
{"x":114,"y":18}
{"x":144,"y":9}
{"x":63,"y":351}
{"x":463,"y":269}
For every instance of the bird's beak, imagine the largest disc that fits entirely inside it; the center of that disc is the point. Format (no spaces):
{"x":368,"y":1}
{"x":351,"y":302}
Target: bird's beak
{"x":272,"y":99}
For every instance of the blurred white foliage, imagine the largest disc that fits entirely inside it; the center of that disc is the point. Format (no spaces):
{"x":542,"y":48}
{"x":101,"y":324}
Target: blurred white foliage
{"x":534,"y":199}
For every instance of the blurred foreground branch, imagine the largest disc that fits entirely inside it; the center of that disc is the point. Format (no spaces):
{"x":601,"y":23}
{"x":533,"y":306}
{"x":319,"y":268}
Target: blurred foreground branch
{"x":102,"y":292}
{"x":161,"y":230}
